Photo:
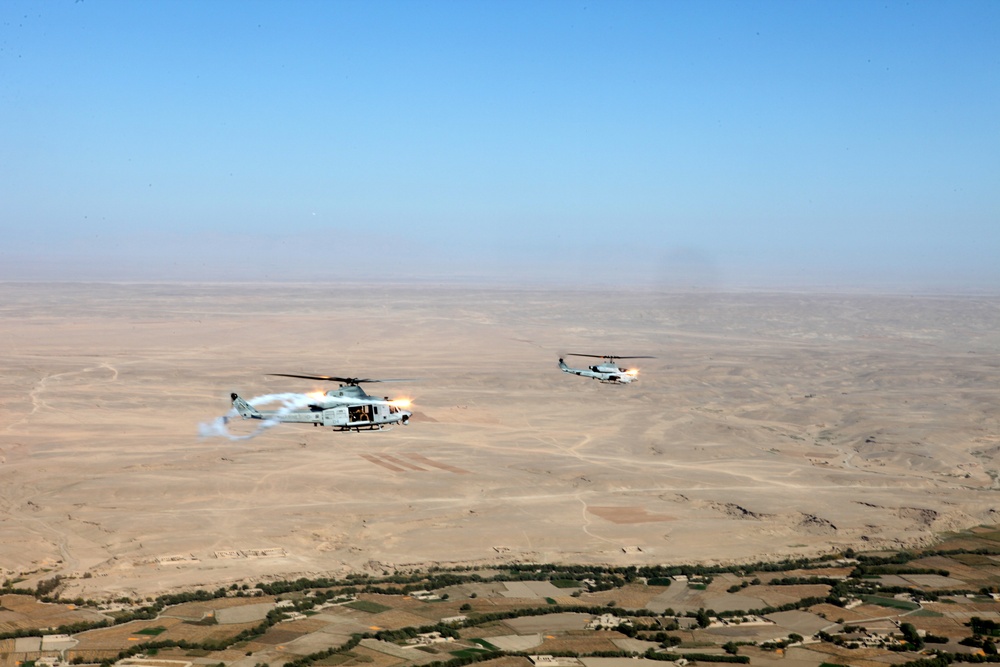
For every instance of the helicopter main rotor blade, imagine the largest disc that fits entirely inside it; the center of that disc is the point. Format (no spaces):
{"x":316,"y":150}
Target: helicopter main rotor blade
{"x":334,"y":378}
{"x":608,"y":356}
{"x":327,"y":378}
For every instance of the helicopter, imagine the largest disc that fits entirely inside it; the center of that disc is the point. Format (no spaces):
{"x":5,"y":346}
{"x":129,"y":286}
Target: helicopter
{"x":607,"y":371}
{"x":347,"y":408}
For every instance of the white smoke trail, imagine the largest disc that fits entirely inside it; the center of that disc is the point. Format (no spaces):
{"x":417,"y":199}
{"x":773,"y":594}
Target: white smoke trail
{"x":217,"y":428}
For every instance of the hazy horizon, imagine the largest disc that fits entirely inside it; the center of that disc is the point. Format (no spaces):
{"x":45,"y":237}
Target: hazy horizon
{"x":714,"y":145}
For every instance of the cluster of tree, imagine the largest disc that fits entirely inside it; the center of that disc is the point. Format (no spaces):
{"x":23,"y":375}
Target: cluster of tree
{"x":401,"y":584}
{"x":802,"y":581}
{"x":403,"y":634}
{"x":912,"y":638}
{"x":988,"y":646}
{"x":168,"y":600}
{"x":68,"y":629}
{"x":937,"y":661}
{"x":736,"y":588}
{"x":773,"y":646}
{"x":490,"y":617}
{"x":595,"y":654}
{"x":656,"y":571}
{"x":301,"y":584}
{"x":698,"y":657}
{"x":984,"y":626}
{"x":837,"y":640}
{"x":671,"y":641}
{"x":897,"y":558}
{"x":659,"y":581}
{"x":942,"y":658}
{"x":46,"y":586}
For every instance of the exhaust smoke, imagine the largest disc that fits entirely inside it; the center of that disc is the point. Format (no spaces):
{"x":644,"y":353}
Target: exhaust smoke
{"x":217,"y":428}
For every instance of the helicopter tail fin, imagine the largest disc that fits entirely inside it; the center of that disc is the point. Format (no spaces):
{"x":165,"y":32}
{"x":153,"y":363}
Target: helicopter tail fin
{"x":563,"y":366}
{"x":246,"y":410}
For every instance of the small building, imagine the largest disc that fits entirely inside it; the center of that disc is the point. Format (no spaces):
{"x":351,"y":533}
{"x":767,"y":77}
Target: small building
{"x":428,"y":638}
{"x":606,"y":621}
{"x":424,"y":596}
{"x":746,"y":619}
{"x":553,"y":661}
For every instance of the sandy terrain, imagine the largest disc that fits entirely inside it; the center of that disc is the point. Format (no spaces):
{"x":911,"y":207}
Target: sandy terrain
{"x":768,"y":425}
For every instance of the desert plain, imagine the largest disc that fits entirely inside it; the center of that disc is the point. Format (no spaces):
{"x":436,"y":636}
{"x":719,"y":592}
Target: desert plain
{"x":767,"y":425}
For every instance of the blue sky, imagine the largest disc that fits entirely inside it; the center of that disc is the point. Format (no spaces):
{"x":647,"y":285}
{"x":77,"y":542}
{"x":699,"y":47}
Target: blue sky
{"x":714,"y":144}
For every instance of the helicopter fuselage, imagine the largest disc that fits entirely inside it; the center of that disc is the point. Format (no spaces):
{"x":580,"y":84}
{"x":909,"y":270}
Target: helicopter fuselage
{"x":348,"y":408}
{"x":607,"y":372}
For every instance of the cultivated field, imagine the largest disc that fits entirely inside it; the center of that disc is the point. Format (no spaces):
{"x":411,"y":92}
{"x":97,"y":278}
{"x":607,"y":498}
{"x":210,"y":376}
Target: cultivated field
{"x":848,"y":615}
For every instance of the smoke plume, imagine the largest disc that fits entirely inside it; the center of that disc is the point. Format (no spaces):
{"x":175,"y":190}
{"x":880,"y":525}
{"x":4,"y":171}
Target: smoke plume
{"x":218,"y":428}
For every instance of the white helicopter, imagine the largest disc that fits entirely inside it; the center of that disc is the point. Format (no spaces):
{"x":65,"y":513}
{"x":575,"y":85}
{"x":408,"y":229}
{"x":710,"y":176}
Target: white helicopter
{"x":607,"y":371}
{"x":347,"y":408}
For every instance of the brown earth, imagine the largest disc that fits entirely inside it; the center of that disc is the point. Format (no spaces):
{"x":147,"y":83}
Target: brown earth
{"x":768,"y":425}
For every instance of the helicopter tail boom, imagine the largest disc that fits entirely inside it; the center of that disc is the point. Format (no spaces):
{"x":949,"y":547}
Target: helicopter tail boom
{"x":566,"y":369}
{"x":246,"y":410}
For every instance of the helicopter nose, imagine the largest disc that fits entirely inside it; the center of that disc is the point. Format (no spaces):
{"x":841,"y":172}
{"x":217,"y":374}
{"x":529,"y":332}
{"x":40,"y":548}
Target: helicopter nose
{"x":406,"y":418}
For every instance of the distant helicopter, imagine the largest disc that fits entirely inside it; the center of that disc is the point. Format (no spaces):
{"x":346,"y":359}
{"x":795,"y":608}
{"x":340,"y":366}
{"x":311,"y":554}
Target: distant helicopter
{"x":347,"y":408}
{"x":607,"y":371}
